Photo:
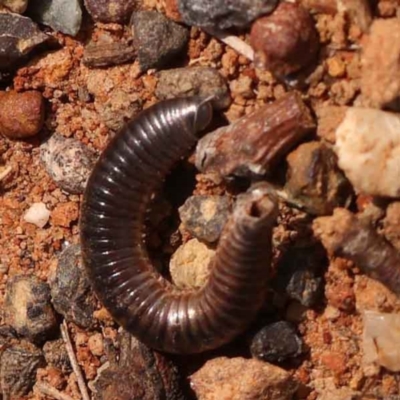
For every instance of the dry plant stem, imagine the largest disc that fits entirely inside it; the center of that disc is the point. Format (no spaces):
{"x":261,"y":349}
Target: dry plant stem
{"x":74,"y":361}
{"x":344,"y":235}
{"x":234,"y":42}
{"x":259,"y":139}
{"x":50,"y":391}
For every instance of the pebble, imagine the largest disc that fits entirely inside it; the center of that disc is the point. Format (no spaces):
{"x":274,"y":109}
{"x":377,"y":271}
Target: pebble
{"x":68,"y":162}
{"x":380,"y":73}
{"x":202,"y":81}
{"x":276,"y":342}
{"x":70,"y":290}
{"x":285,"y":41}
{"x":329,"y":118}
{"x":189,"y":265}
{"x":259,"y":139}
{"x":18,"y":37}
{"x":381,"y":336}
{"x":28,"y":310}
{"x":300,"y":274}
{"x":139,"y":373}
{"x":18,"y":366}
{"x":63,"y":16}
{"x":16,"y":6}
{"x":242,"y":379}
{"x":55,"y":354}
{"x":314,"y":179}
{"x":37,"y":214}
{"x":158,"y":39}
{"x":21,"y":114}
{"x":96,"y":344}
{"x":204,"y":217}
{"x":111,"y":10}
{"x":370,"y":159}
{"x":221,"y":14}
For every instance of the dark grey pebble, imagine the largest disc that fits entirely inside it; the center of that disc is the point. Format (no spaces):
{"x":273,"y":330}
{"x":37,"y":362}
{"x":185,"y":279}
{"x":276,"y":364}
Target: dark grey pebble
{"x":63,"y":16}
{"x":202,"y":81}
{"x":71,"y":293}
{"x":276,"y":342}
{"x":28,"y":310}
{"x":18,"y":37}
{"x":68,"y":162}
{"x":300,"y":274}
{"x":157,"y":39}
{"x":205,"y":216}
{"x":222,"y":14}
{"x":18,"y":366}
{"x":55,"y":354}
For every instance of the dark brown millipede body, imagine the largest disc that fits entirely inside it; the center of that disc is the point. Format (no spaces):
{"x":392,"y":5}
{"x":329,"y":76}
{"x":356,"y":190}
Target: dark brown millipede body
{"x":113,"y":215}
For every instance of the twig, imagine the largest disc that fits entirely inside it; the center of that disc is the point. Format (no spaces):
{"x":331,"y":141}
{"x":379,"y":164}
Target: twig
{"x":48,"y":390}
{"x":233,"y":41}
{"x":74,"y":362}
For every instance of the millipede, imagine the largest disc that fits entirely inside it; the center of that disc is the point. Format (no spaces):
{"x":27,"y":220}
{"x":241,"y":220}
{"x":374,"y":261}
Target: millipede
{"x":116,"y":201}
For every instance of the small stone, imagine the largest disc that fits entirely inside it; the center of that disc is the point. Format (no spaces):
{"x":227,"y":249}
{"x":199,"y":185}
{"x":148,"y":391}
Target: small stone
{"x":369,"y":158}
{"x":259,"y":139}
{"x":56,"y":355}
{"x":21,"y":114}
{"x":18,"y":37}
{"x":285,"y":41}
{"x":315,"y":181}
{"x":96,"y":344}
{"x":100,"y":54}
{"x":37,"y":214}
{"x":70,"y":290}
{"x":63,"y":16}
{"x":64,"y":214}
{"x":242,"y":379}
{"x":111,"y":10}
{"x":380,"y":74}
{"x":189,"y":266}
{"x":68,"y":162}
{"x":221,"y":14}
{"x":18,"y":366}
{"x":300,"y":274}
{"x":205,"y":216}
{"x":276,"y":342}
{"x":380,"y":340}
{"x":158,"y":39}
{"x":16,"y":6}
{"x":202,"y":81}
{"x":28,"y":309}
{"x":140,"y":373}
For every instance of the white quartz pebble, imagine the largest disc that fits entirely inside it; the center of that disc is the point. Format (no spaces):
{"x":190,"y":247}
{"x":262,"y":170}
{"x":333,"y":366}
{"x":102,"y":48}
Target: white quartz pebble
{"x":381,"y":340}
{"x":368,"y":148}
{"x":37,"y":214}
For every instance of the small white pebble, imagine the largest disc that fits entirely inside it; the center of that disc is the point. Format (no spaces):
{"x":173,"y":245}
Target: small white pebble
{"x":368,"y":148}
{"x":381,"y":340}
{"x":37,"y":214}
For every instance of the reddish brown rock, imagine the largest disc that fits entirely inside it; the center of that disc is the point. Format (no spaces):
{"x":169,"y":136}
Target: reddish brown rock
{"x":218,"y":379}
{"x":259,"y":140}
{"x":21,"y":114}
{"x":111,"y":10}
{"x":284,"y":41}
{"x":64,"y":214}
{"x":380,"y":78}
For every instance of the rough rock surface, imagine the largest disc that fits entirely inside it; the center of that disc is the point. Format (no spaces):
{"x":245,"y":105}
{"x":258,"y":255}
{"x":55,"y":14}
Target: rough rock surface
{"x":111,"y":10}
{"x":218,"y":379}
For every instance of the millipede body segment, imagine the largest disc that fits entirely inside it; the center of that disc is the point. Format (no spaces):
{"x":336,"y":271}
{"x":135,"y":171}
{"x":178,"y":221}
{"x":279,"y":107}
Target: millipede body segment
{"x":112,"y":226}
